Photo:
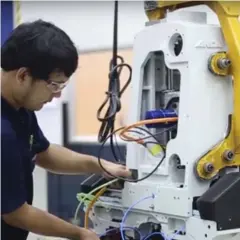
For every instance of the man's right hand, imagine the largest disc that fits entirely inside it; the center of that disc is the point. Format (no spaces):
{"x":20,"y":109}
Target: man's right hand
{"x":86,"y":234}
{"x":43,"y":223}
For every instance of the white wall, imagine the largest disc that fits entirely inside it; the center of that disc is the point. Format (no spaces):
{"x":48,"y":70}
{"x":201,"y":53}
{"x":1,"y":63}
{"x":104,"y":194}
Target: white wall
{"x":90,"y":25}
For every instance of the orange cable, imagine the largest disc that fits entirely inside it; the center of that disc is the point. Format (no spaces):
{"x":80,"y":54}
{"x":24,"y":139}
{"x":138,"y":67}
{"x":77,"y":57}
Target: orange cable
{"x":98,"y":194}
{"x":143,"y":122}
{"x":122,"y":134}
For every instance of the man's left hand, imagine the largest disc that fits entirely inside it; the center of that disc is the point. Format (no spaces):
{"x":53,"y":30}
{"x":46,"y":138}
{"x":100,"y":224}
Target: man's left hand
{"x":116,"y":170}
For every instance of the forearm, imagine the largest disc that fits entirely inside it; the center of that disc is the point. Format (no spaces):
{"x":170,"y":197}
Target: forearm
{"x":41,"y":222}
{"x":62,"y":160}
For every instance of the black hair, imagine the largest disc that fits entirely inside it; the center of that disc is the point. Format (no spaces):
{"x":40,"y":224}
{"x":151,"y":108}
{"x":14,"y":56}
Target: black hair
{"x":41,"y":47}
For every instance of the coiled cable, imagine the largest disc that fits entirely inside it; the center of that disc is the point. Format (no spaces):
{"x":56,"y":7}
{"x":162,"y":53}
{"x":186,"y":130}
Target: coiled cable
{"x":122,"y":178}
{"x":114,"y":92}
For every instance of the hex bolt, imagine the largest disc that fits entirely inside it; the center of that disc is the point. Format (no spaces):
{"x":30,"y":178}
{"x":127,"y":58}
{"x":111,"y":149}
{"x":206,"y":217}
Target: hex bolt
{"x":223,"y":63}
{"x":208,"y":167}
{"x":228,"y":155}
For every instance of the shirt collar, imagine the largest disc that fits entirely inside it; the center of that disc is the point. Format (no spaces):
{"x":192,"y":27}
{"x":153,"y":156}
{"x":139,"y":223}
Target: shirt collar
{"x":8,"y":108}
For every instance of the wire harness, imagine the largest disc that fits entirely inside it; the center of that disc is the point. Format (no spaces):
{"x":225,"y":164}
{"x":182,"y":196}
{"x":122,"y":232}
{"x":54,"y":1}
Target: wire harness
{"x":90,"y":199}
{"x":114,"y":92}
{"x":123,"y":135}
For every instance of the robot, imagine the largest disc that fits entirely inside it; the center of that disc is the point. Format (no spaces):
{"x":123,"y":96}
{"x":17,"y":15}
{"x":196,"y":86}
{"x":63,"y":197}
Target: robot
{"x":186,"y":86}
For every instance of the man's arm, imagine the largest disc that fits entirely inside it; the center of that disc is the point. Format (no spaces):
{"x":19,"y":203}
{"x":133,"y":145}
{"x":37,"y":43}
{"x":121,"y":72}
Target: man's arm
{"x":59,"y":159}
{"x":40,"y":222}
{"x":14,"y":209}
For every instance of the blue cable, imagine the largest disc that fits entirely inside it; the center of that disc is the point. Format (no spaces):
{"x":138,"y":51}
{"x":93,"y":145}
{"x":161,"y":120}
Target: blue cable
{"x":163,"y":235}
{"x":127,"y":212}
{"x":125,"y":228}
{"x":156,"y":233}
{"x":135,"y":229}
{"x":145,"y":238}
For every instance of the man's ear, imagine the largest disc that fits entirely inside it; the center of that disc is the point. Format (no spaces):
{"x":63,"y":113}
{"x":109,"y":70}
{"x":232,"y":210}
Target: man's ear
{"x":23,"y":75}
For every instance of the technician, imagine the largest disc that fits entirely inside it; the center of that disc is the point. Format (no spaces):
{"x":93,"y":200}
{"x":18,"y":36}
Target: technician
{"x":36,"y":60}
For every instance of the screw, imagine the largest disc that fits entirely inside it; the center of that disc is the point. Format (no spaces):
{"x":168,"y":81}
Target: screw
{"x":223,"y":63}
{"x":208,"y":167}
{"x":151,"y":206}
{"x":228,"y":155}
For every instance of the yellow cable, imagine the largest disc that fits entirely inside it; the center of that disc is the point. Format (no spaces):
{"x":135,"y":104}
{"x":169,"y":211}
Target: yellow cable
{"x":92,"y":202}
{"x":81,"y":201}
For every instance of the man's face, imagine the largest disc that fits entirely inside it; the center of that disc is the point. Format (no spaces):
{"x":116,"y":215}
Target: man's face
{"x":34,"y":93}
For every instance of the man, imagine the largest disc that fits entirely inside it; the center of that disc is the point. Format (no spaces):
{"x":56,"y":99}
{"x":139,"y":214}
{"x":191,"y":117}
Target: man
{"x":37,"y":61}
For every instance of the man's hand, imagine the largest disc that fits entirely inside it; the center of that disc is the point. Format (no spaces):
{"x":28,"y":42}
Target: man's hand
{"x":59,"y":159}
{"x":86,"y":234}
{"x":43,"y":223}
{"x":115,"y":169}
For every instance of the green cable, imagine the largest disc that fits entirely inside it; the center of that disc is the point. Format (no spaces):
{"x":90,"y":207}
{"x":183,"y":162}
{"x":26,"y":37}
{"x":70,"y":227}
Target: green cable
{"x":81,"y":196}
{"x":88,"y":196}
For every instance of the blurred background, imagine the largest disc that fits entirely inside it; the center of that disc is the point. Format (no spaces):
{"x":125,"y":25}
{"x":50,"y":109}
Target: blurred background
{"x":72,"y":120}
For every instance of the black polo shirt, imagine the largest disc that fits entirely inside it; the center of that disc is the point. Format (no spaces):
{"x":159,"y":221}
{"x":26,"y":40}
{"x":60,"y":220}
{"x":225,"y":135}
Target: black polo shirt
{"x":21,"y":140}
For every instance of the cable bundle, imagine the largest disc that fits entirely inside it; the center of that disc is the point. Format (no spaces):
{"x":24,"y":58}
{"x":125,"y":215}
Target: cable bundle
{"x":141,"y":141}
{"x":114,"y":92}
{"x":90,"y":199}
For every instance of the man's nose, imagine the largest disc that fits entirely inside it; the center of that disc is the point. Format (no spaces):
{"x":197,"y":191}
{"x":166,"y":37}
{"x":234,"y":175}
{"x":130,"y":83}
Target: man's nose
{"x":57,"y":95}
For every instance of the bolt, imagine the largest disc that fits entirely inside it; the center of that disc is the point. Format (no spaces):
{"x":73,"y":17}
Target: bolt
{"x":223,"y":63}
{"x":208,"y":167}
{"x":157,"y":227}
{"x":228,"y":155}
{"x":151,"y":206}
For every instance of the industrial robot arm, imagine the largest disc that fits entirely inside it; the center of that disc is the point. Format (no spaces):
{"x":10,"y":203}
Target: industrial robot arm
{"x":223,"y":64}
{"x":183,"y":138}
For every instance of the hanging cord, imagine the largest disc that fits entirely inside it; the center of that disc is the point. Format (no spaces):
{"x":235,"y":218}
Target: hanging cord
{"x":114,"y":92}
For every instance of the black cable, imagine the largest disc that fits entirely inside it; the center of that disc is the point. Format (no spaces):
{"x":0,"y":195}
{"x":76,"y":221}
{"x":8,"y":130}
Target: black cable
{"x":122,"y":178}
{"x":143,"y":138}
{"x":115,"y":35}
{"x":148,"y":132}
{"x":113,"y":97}
{"x":118,"y":148}
{"x":112,"y":232}
{"x":114,"y":92}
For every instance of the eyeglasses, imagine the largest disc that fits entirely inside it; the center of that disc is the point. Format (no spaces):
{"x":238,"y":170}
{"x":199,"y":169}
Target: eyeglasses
{"x":56,"y":87}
